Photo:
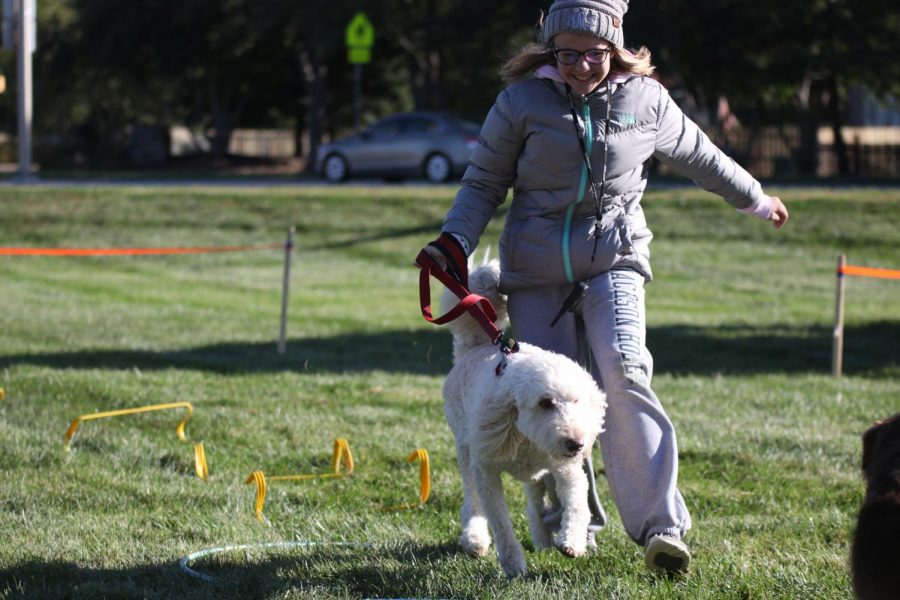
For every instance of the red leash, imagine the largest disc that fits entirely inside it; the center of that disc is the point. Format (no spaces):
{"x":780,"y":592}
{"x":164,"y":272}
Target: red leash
{"x":477,"y":306}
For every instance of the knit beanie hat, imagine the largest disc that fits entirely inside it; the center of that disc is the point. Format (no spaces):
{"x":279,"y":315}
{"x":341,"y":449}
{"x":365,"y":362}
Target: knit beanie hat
{"x":602,"y":18}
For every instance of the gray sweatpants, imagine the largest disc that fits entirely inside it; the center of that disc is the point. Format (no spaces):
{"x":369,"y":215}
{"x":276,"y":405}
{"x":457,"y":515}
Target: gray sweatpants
{"x":638,"y":441}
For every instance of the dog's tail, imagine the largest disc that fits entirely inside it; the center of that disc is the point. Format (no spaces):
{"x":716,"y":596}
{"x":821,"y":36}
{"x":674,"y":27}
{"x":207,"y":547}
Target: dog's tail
{"x":484,"y":280}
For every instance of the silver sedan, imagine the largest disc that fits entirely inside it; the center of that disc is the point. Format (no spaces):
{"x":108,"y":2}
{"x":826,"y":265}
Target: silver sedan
{"x":433,"y":145}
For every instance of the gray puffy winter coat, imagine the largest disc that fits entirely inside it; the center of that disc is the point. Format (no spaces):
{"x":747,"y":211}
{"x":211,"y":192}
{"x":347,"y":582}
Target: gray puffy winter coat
{"x":529,"y":143}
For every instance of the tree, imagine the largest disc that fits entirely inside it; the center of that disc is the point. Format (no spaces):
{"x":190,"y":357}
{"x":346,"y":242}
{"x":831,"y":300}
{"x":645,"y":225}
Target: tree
{"x":157,"y":61}
{"x":775,"y":59}
{"x":104,"y":65}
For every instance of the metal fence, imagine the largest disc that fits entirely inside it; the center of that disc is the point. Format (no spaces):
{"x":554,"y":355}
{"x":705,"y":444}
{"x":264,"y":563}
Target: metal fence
{"x":271,"y":143}
{"x":775,"y":151}
{"x":872,"y":152}
{"x":766,"y":152}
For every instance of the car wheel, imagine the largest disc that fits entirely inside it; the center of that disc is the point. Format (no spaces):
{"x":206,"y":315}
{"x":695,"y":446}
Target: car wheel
{"x":335,"y":168}
{"x":438,"y":168}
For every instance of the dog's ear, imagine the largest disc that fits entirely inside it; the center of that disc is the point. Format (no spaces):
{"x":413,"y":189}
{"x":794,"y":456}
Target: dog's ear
{"x":496,"y":435}
{"x":869,"y":441}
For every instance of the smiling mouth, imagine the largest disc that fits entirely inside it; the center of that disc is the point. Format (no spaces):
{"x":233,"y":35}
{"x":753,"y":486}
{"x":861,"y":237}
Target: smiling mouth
{"x":585,"y":80}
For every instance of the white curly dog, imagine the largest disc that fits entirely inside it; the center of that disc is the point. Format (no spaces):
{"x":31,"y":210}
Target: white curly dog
{"x":538,"y":417}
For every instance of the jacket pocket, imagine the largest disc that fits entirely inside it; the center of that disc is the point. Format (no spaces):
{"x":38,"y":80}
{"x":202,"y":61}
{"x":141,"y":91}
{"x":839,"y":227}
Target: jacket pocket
{"x":584,"y":245}
{"x":531,"y":251}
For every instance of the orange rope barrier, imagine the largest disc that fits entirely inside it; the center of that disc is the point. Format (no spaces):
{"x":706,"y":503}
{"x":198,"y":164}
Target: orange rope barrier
{"x":869,"y":272}
{"x":9,"y":251}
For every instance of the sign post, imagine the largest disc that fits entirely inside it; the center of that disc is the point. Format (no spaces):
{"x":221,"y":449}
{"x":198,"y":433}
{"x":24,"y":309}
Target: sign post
{"x":360,"y":38}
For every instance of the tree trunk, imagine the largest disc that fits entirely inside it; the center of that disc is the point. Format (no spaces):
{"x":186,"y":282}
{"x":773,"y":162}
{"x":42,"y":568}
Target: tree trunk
{"x":225,"y":113}
{"x":429,"y":54}
{"x":418,"y":73}
{"x":299,"y":131}
{"x":807,"y":159}
{"x":314,"y":81}
{"x":837,"y":123}
{"x":808,"y":152}
{"x":423,"y":59}
{"x":436,"y":100}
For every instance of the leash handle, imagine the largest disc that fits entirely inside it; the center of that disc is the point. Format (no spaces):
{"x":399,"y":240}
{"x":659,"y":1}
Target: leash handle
{"x":570,"y":304}
{"x":455,"y":254}
{"x":478,"y":306}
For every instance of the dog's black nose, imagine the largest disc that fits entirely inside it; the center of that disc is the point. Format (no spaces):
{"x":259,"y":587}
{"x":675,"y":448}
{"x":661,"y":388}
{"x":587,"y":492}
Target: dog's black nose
{"x":573,"y":445}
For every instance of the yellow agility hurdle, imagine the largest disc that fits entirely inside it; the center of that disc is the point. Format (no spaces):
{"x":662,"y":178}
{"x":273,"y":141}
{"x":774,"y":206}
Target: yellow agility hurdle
{"x":340,"y":455}
{"x":421,"y":455}
{"x":73,"y":426}
{"x":424,"y":473}
{"x":200,"y":462}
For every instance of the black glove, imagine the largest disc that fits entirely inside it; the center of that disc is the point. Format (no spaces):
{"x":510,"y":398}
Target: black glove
{"x":457,"y":261}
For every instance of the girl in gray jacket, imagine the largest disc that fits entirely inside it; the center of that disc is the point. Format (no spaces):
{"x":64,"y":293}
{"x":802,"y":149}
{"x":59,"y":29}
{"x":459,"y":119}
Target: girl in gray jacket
{"x":571,"y":136}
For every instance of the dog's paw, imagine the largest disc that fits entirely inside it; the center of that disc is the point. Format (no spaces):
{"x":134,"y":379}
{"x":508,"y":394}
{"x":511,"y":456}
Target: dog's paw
{"x":569,"y":551}
{"x":475,"y":539}
{"x":516,"y":571}
{"x":571,"y":548}
{"x":572,"y":539}
{"x":474,"y":545}
{"x":543,"y":545}
{"x":541,"y":537}
{"x":513,"y":564}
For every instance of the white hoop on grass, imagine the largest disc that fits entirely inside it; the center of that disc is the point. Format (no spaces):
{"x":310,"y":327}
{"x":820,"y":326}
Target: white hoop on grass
{"x":185,"y":562}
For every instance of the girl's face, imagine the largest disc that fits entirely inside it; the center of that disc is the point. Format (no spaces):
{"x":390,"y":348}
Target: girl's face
{"x":589,"y":58}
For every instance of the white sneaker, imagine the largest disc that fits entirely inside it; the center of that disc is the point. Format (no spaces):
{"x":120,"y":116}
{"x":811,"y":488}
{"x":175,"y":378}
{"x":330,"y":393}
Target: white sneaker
{"x":666,"y":554}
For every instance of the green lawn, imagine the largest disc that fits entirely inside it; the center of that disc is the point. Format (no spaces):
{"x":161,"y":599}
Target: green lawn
{"x":740,"y":323}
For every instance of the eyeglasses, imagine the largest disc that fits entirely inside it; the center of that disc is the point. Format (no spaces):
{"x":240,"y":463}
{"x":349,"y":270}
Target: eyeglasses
{"x":594,"y":56}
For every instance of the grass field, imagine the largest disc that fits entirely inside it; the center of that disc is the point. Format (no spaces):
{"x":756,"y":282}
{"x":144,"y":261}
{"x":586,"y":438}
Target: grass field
{"x":740,"y":320}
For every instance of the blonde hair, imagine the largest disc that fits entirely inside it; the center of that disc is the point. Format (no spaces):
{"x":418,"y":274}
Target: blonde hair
{"x":534,"y":56}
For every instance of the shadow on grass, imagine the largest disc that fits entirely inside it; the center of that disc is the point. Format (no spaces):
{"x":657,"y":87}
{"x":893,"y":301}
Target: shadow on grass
{"x":421,"y":230}
{"x":394,"y":571}
{"x":680,"y":350}
{"x":38,"y":578}
{"x":426,"y":352}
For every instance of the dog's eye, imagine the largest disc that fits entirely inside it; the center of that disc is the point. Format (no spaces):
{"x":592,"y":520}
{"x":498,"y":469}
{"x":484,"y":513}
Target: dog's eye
{"x":545,"y":402}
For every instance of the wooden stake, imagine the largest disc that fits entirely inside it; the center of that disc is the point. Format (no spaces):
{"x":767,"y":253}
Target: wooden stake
{"x":837,"y":349}
{"x":285,"y":291}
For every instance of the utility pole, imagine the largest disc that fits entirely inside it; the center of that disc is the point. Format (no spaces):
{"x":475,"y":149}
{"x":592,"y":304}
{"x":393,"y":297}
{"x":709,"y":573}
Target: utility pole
{"x":20,"y":35}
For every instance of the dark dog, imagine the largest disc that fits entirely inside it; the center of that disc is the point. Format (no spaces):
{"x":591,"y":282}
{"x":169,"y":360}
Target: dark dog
{"x":876,"y":546}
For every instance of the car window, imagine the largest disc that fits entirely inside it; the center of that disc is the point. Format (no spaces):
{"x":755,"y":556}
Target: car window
{"x":384,"y":129}
{"x":470,"y":126}
{"x":466,"y":126}
{"x":414,"y":125}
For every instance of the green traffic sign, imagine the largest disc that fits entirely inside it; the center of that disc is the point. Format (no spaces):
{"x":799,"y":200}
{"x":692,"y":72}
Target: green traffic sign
{"x":360,"y":33}
{"x":359,"y":56}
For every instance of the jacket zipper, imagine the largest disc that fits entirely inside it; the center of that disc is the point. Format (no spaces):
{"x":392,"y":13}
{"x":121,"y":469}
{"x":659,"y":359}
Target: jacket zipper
{"x":582,"y":186}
